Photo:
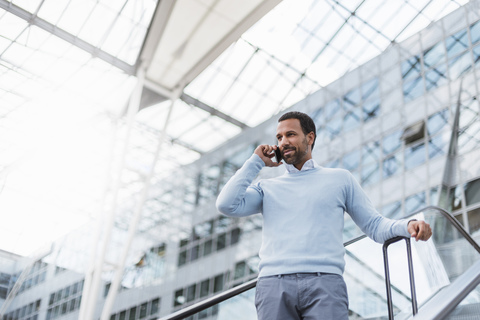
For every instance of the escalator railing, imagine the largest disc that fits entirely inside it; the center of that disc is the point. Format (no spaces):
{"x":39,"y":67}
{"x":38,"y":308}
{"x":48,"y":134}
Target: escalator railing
{"x":437,"y":263}
{"x":388,"y":284}
{"x":449,"y":301}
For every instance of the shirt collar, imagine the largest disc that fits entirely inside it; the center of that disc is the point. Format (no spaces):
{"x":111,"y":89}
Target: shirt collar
{"x":308,"y":165}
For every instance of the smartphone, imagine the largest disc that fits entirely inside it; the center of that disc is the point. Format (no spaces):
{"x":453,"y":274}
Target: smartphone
{"x":278,"y":155}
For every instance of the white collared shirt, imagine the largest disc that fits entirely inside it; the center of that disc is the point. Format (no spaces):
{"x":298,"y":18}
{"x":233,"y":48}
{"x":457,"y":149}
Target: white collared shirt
{"x":308,"y":165}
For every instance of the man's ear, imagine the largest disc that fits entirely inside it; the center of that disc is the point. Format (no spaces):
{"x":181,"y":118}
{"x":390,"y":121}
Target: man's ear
{"x":310,"y":138}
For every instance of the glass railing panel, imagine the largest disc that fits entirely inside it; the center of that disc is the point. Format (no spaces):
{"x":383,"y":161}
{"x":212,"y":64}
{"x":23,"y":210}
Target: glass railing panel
{"x":453,"y":249}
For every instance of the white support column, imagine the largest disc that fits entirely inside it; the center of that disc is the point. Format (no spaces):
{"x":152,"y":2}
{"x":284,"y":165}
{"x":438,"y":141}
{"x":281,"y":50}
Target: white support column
{"x":107,"y":308}
{"x":105,"y":222}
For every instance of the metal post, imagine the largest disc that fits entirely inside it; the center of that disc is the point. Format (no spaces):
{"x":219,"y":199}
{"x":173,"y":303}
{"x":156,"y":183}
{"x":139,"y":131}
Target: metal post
{"x":412,"y":279}
{"x":97,"y":257}
{"x":387,"y":275}
{"x":115,"y":284}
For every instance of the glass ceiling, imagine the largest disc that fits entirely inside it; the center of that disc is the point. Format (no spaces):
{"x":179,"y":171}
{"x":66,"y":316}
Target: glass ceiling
{"x":63,"y":95}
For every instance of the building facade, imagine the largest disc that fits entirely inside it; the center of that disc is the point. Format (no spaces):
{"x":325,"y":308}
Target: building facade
{"x":406,"y":124}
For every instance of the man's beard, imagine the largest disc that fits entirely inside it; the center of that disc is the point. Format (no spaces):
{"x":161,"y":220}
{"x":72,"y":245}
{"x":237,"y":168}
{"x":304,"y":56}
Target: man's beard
{"x":296,"y":156}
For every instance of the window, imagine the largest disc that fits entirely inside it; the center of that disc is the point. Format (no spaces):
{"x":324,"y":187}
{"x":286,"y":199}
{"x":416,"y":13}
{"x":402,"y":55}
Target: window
{"x":392,"y":165}
{"x":194,"y":253}
{"x":332,"y":109}
{"x":218,"y":283}
{"x":434,"y":195}
{"x":411,"y":68}
{"x":434,"y":55}
{"x":474,"y":220}
{"x":239,"y":270}
{"x":437,"y":122}
{"x":183,"y":243}
{"x":414,"y":156}
{"x":436,"y":77}
{"x":333,"y":119}
{"x":476,"y":54}
{"x":414,"y":132}
{"x":351,"y":102}
{"x":437,"y":146}
{"x":392,"y":210}
{"x":3,"y":293}
{"x":469,"y":135}
{"x":333,"y":128}
{"x":475,"y":32}
{"x":221,"y":241}
{"x":155,"y":306}
{"x":413,"y":89}
{"x":412,"y":78}
{"x":415,"y":202}
{"x":64,"y":308}
{"x":351,"y":161}
{"x":371,"y":100}
{"x":72,"y":305}
{"x":335,"y":163}
{"x":75,"y":288}
{"x":179,"y":298}
{"x":457,"y":43}
{"x":207,"y":247}
{"x":204,"y":288}
{"x":143,"y":310}
{"x":252,"y":264}
{"x":207,"y":237}
{"x":191,"y":290}
{"x":235,"y":236}
{"x":132,"y":314}
{"x":371,"y":109}
{"x":392,"y":142}
{"x":459,"y":65}
{"x":222,"y":224}
{"x":182,"y":258}
{"x":472,"y":192}
{"x":370,"y":163}
{"x":203,"y":230}
{"x":317,"y":116}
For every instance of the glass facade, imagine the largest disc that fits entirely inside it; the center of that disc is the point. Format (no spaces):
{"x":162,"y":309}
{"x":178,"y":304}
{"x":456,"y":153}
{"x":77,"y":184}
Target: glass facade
{"x":388,"y":121}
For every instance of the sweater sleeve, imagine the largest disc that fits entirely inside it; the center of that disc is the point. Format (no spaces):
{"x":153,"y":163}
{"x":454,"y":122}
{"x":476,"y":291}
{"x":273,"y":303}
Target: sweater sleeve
{"x":238,"y":197}
{"x":364,"y":214}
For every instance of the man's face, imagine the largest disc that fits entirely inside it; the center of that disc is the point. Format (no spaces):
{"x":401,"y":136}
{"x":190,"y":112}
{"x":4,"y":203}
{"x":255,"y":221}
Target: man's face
{"x":293,"y":143}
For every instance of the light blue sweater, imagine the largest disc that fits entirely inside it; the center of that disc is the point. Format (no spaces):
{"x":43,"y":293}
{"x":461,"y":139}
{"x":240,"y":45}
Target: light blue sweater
{"x":303,"y":216}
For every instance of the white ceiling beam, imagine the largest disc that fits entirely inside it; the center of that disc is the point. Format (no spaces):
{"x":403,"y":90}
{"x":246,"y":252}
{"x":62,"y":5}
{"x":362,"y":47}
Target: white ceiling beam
{"x":261,"y":10}
{"x":155,"y":31}
{"x":33,"y":19}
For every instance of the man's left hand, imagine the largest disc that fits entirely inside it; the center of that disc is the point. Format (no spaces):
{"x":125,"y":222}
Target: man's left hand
{"x":420,"y":230}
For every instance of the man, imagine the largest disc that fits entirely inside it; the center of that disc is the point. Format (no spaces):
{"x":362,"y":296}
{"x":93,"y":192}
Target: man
{"x":302,"y":254}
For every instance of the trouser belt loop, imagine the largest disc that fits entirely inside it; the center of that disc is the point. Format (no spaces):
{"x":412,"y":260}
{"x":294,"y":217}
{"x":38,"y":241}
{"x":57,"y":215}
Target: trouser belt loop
{"x":279,"y":276}
{"x":319,"y":274}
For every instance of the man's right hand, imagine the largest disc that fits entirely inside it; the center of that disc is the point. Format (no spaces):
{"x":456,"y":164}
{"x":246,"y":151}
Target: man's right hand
{"x":266,"y":153}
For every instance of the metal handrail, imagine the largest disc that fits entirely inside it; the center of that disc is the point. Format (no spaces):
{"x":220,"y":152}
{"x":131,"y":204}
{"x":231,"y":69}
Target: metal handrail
{"x":205,"y":304}
{"x":387,"y":275}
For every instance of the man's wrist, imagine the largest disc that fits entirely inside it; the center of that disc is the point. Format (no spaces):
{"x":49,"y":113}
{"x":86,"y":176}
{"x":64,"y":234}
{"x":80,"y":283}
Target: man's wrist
{"x":410,"y":221}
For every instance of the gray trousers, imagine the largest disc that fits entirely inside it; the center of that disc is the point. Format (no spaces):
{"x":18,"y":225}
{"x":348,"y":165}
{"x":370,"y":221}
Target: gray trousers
{"x":299,"y":296}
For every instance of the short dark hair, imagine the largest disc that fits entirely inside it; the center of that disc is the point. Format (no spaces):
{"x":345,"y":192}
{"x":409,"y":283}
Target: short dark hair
{"x":306,"y":122}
